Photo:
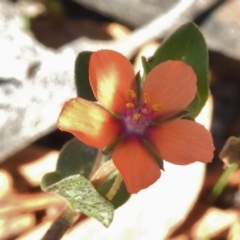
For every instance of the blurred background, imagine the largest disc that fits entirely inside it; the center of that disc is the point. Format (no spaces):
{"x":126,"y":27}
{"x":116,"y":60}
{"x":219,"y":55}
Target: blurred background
{"x":39,"y":41}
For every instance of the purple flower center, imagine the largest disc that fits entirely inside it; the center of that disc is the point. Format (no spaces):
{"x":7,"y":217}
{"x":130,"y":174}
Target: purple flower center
{"x":138,"y":117}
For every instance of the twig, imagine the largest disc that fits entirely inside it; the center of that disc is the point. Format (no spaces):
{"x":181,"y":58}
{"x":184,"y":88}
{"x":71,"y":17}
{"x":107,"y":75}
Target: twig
{"x":61,"y":224}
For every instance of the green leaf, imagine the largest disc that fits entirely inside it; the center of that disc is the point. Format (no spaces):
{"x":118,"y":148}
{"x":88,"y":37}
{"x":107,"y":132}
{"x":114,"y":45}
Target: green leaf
{"x":49,"y":179}
{"x":188,"y":45}
{"x":76,"y":158}
{"x":84,"y":198}
{"x":122,"y":194}
{"x":82,"y":83}
{"x":146,"y":68}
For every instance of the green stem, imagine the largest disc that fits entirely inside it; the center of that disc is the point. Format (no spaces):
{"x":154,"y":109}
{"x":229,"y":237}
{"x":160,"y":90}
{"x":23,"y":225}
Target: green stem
{"x":222,"y":182}
{"x":97,"y":163}
{"x":61,"y":224}
{"x":113,"y":190}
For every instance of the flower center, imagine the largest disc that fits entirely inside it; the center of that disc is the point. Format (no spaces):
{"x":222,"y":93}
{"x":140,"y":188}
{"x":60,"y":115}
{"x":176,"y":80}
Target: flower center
{"x":138,"y":117}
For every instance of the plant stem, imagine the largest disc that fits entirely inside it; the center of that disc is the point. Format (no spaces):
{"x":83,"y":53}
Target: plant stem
{"x":97,"y":163}
{"x":61,"y":224}
{"x":113,"y":190}
{"x":222,"y":182}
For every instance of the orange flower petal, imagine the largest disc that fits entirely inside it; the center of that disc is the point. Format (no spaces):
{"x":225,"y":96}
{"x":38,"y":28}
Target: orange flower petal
{"x":89,"y":122}
{"x":171,"y":84}
{"x":138,"y":169}
{"x":111,"y":76}
{"x":182,"y":142}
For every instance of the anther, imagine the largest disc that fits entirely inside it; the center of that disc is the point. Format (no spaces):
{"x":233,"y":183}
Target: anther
{"x":136,"y":116}
{"x":157,"y":107}
{"x":131,"y":93}
{"x":130,"y":105}
{"x":146,"y":98}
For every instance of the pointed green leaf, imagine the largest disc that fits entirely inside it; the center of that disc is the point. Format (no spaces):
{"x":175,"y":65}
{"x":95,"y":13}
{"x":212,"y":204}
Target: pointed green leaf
{"x":122,"y":194}
{"x":84,"y":198}
{"x":222,"y":182}
{"x":188,"y":45}
{"x":82,"y":83}
{"x":76,"y":158}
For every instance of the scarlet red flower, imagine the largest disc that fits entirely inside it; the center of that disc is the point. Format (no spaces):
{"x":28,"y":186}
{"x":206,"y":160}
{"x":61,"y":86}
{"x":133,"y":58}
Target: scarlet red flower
{"x":137,"y":126}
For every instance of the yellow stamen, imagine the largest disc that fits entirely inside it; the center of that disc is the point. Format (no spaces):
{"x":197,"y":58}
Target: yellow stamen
{"x":146,"y":98}
{"x":130,"y":105}
{"x":157,"y":107}
{"x":136,"y":116}
{"x":132,"y":93}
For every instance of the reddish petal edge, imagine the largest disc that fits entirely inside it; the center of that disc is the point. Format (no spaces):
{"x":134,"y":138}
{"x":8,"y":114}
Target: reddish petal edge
{"x":182,"y":142}
{"x":89,"y":122}
{"x":137,"y":167}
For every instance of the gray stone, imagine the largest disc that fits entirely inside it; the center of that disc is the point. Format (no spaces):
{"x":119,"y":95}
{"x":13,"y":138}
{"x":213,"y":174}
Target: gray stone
{"x":34,"y":83}
{"x":136,"y":13}
{"x":222,"y":29}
